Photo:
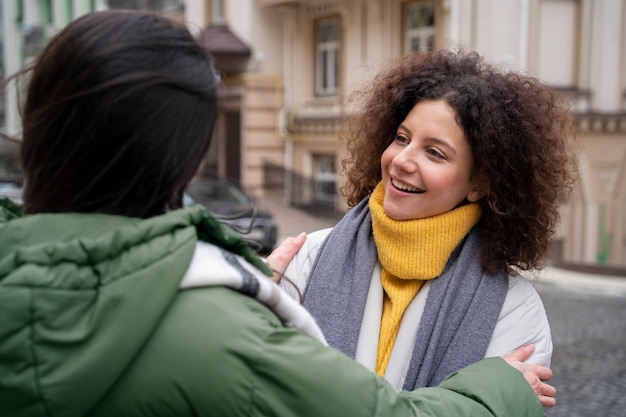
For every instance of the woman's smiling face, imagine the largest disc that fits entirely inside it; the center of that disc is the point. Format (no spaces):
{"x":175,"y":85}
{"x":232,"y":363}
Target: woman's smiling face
{"x":427,"y":168}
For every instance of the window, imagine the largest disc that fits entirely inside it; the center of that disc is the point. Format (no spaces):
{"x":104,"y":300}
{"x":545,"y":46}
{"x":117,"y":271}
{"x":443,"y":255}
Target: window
{"x":37,"y":19}
{"x":327,"y":56}
{"x":419,"y":26}
{"x":217,"y":12}
{"x":558,"y":44}
{"x":157,"y":6}
{"x":324,"y":178}
{"x":45,"y":11}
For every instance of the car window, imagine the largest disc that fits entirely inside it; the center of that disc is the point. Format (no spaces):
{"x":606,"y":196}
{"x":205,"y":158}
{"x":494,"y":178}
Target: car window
{"x":219,"y":192}
{"x":12,"y":191}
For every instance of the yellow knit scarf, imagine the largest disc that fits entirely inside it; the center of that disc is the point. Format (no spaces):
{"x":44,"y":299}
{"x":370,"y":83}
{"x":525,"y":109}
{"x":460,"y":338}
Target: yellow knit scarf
{"x":410,"y":252}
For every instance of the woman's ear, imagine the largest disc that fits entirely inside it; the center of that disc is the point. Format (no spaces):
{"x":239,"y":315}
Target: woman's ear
{"x":475,"y":195}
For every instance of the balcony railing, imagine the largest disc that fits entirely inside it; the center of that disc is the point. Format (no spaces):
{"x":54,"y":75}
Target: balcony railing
{"x":318,"y":198}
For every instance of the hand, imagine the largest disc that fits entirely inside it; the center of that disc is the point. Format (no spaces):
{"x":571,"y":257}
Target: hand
{"x":536,"y":375}
{"x":280,"y":257}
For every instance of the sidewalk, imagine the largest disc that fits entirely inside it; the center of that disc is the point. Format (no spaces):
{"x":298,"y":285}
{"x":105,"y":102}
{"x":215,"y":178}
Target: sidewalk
{"x":608,"y":285}
{"x":292,"y":221}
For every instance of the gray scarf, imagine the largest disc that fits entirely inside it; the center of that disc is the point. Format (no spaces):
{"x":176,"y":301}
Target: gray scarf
{"x":462,"y":307}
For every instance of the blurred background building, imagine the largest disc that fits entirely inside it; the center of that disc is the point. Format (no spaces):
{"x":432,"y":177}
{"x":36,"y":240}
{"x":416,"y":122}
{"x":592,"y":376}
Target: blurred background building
{"x":26,"y":26}
{"x":288,"y":67}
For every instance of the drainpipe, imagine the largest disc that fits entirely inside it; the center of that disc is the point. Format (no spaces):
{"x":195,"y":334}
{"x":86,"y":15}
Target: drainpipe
{"x":79,"y":8}
{"x":288,"y":95}
{"x":524,"y":34}
{"x":455,"y":14}
{"x":12,"y":59}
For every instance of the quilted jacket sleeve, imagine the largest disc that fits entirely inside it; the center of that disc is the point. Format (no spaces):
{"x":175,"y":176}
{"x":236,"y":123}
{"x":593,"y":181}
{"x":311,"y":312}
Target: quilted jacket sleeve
{"x":322,"y":381}
{"x":218,"y":353}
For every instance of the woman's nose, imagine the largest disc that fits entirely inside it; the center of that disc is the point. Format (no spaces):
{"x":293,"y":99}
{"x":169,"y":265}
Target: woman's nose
{"x":406,"y":160}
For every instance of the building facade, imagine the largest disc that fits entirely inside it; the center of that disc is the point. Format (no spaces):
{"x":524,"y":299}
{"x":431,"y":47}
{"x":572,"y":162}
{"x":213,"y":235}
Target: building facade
{"x":288,"y":67}
{"x":306,"y":56}
{"x":26,"y":26}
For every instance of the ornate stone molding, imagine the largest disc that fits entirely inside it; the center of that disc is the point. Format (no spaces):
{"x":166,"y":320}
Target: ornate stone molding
{"x":324,"y":9}
{"x":601,"y":122}
{"x":319,"y":115}
{"x":589,"y":120}
{"x":314,"y":125}
{"x":271,"y":3}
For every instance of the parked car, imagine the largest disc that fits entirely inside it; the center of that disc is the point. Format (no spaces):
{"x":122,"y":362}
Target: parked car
{"x":11,"y":190}
{"x":237,"y":209}
{"x":221,"y":197}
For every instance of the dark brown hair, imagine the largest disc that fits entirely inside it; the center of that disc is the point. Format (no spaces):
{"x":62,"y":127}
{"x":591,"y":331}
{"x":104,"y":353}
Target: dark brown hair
{"x":520,"y":132}
{"x":118,"y":116}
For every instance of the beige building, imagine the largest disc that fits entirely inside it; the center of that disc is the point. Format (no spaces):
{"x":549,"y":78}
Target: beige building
{"x":292,"y":63}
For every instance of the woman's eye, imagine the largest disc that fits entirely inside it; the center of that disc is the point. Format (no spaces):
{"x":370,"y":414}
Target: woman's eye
{"x":435,"y":153}
{"x":401,"y":139}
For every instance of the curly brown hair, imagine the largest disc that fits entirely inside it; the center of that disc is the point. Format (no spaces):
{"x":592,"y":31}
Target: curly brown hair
{"x":521,"y":135}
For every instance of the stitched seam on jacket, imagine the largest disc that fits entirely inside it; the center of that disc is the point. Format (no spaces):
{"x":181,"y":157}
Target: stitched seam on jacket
{"x":254,"y":371}
{"x":33,"y":353}
{"x":254,"y":381}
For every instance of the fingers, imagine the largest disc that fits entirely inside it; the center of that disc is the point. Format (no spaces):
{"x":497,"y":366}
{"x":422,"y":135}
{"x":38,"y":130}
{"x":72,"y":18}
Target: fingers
{"x":544,"y":373}
{"x":547,"y":394}
{"x":280,"y":257}
{"x":535,"y":375}
{"x":548,"y":390}
{"x":520,"y":354}
{"x":547,"y":401}
{"x":290,"y":246}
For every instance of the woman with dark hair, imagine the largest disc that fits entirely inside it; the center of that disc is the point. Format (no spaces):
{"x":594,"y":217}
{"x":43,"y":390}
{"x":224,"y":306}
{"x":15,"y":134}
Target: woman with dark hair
{"x":115,"y":301}
{"x":98,"y":157}
{"x":455,"y":175}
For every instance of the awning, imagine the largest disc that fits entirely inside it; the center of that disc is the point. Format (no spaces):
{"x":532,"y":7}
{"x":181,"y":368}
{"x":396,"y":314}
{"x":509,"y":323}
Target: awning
{"x":219,"y":40}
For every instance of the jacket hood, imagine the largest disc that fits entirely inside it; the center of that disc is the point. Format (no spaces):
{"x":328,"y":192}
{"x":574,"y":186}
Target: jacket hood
{"x":80,"y":294}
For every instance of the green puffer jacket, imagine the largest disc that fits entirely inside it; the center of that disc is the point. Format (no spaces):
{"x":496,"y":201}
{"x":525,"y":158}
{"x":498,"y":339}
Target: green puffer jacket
{"x":93,"y":323}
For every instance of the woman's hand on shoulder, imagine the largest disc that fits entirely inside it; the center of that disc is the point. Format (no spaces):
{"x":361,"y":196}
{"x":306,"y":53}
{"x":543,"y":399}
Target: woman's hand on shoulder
{"x":280,"y":257}
{"x":536,"y":375}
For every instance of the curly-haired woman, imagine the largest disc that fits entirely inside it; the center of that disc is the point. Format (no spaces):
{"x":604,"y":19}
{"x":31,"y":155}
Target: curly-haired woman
{"x":117,"y":301}
{"x":455,"y":175}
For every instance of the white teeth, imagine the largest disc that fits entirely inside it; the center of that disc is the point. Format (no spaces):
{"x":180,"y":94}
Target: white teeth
{"x":405,"y":187}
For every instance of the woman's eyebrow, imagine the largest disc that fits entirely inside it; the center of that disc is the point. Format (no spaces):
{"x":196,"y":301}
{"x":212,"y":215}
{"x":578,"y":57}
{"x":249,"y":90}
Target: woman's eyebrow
{"x":443,"y":143}
{"x":435,"y":140}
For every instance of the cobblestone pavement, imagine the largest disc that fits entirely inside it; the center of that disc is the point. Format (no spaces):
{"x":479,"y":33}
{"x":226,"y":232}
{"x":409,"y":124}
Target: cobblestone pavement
{"x":589,"y":360}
